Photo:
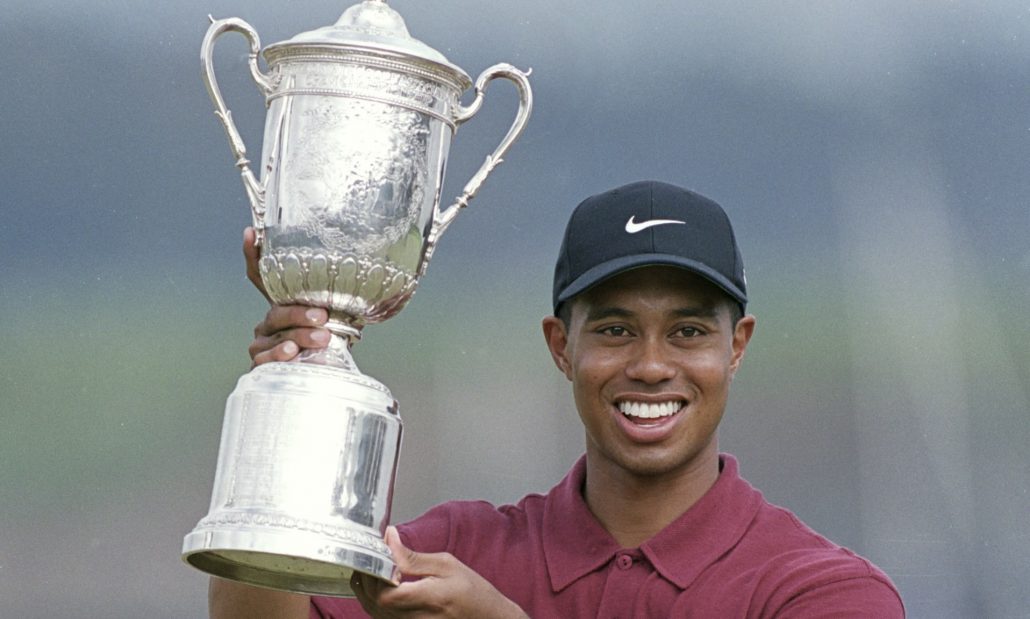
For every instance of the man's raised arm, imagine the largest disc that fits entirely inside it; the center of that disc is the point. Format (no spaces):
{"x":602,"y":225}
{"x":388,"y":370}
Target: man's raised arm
{"x":279,"y":337}
{"x":232,"y":600}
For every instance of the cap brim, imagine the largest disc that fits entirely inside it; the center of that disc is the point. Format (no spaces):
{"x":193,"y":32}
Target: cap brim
{"x":609,"y":269}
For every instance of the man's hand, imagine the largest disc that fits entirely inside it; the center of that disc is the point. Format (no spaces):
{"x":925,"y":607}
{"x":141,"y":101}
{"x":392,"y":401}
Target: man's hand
{"x":286,"y":329}
{"x":446,"y":588}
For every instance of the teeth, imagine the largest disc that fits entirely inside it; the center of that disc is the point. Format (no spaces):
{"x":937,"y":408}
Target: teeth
{"x":645,"y":410}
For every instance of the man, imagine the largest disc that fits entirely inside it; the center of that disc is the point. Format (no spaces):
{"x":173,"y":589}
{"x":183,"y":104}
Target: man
{"x":649,"y":326}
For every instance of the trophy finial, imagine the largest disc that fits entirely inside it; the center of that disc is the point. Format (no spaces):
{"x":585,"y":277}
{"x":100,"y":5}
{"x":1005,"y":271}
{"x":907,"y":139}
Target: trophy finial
{"x":373,"y":16}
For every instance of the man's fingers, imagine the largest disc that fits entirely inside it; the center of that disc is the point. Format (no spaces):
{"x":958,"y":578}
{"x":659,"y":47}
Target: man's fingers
{"x":382,"y":599}
{"x":365,"y":591}
{"x":285,"y":351}
{"x":283,"y":317}
{"x":286,"y":330}
{"x":284,"y":345}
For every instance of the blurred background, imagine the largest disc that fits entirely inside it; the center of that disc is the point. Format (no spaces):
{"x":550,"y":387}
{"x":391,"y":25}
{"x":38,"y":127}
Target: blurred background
{"x":873,"y":156}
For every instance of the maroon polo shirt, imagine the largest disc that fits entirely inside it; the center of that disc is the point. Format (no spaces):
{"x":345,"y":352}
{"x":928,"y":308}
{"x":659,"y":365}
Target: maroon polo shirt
{"x":732,"y":554}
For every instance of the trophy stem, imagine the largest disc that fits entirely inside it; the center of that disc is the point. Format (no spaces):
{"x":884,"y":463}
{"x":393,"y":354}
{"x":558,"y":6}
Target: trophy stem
{"x":337,"y":353}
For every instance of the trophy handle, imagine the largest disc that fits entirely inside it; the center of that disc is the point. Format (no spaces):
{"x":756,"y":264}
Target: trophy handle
{"x":443,"y":219}
{"x":255,"y":189}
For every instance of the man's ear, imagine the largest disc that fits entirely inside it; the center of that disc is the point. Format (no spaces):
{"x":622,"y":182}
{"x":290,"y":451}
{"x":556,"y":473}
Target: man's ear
{"x":742,"y":333}
{"x":557,"y":341}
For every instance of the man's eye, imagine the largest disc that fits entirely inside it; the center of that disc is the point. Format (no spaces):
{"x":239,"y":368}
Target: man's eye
{"x":615,"y":331}
{"x":689,"y":332}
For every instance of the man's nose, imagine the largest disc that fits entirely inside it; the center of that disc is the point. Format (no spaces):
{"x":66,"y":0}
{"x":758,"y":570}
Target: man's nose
{"x":651,"y":362}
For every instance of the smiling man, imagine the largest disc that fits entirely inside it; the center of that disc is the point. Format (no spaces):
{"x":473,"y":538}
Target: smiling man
{"x":649,"y":327}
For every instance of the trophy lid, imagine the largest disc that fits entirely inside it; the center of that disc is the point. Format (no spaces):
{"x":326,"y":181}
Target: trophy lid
{"x":373,"y":26}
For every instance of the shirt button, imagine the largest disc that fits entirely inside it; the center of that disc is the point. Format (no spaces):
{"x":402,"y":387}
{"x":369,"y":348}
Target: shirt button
{"x":624,"y":562}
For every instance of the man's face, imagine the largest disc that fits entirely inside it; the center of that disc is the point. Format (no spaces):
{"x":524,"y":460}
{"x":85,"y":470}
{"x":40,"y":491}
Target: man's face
{"x":651,"y":354}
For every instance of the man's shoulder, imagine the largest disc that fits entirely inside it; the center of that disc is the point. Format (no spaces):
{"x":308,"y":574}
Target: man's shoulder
{"x":476,"y":510}
{"x":443,"y":527}
{"x":828,"y":580}
{"x":792,"y":562}
{"x":762,"y":532}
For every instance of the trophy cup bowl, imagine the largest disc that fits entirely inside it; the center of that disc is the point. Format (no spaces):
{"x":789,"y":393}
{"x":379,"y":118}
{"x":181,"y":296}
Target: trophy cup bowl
{"x":359,"y":122}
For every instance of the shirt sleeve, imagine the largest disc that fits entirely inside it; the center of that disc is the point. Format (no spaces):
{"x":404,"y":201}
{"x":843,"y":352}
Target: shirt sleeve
{"x":336,"y":608}
{"x":852,"y":598}
{"x":432,"y":531}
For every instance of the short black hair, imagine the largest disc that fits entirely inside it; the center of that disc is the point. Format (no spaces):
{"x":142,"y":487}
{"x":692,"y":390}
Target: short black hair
{"x":736,"y":310}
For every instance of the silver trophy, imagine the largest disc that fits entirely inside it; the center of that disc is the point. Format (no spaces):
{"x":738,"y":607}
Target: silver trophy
{"x":347,"y":212}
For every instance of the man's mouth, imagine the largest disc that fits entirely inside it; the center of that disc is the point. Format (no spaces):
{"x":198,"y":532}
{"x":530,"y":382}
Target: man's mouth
{"x":650,"y":410}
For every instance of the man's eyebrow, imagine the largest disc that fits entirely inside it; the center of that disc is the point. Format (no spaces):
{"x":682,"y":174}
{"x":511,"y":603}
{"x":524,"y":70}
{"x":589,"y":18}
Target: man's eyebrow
{"x":698,"y":311}
{"x":612,"y":311}
{"x":609,"y":311}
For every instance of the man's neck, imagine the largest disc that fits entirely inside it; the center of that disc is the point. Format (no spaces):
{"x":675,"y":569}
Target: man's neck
{"x":634,"y":508}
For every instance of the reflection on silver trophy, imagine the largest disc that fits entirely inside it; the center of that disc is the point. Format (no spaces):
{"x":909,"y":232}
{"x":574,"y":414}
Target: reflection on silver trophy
{"x":359,"y":123}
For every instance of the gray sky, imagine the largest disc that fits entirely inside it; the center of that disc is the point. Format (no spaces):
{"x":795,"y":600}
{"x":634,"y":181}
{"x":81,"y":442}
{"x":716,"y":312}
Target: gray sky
{"x":873,"y":156}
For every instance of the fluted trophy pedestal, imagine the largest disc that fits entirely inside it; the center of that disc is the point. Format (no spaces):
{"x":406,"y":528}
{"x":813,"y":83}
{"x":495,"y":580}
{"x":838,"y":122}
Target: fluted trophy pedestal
{"x":359,"y":122}
{"x":304,"y":481}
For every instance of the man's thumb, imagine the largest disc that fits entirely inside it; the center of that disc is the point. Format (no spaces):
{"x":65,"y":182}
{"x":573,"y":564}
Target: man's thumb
{"x":252,"y":255}
{"x":408,"y":561}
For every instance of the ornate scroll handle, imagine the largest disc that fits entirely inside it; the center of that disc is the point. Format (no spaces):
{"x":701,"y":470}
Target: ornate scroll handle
{"x":255,"y":189}
{"x":443,"y":219}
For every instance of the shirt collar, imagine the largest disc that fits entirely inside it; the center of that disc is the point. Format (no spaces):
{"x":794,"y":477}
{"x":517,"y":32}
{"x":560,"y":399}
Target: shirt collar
{"x":576,"y":544}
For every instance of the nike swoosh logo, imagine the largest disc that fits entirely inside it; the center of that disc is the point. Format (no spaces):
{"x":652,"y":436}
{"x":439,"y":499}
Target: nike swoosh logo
{"x":633,"y":226}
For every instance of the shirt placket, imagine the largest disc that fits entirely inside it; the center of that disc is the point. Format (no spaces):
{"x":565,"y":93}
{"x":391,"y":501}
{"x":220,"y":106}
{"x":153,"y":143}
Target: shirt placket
{"x":627,"y":572}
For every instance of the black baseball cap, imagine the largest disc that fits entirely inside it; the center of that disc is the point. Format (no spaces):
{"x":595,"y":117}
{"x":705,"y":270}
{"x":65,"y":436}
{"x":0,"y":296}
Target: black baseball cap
{"x":648,"y":223}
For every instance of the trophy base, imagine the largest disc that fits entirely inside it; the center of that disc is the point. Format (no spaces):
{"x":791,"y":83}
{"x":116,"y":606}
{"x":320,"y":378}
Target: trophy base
{"x":288,"y":563}
{"x":304,"y":481}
